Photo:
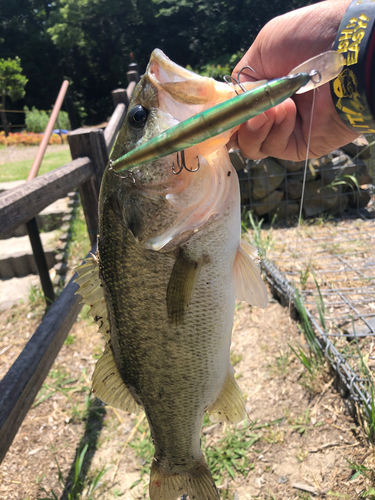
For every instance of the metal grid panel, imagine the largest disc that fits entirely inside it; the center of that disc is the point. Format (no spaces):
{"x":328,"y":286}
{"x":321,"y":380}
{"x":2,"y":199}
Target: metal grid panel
{"x":340,"y":258}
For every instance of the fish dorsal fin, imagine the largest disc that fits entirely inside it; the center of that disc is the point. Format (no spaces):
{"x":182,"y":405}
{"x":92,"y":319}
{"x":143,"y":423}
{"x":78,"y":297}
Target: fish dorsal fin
{"x":248,"y":282}
{"x":108,"y":385}
{"x":230,"y":405}
{"x":91,"y":290}
{"x":181,"y":287}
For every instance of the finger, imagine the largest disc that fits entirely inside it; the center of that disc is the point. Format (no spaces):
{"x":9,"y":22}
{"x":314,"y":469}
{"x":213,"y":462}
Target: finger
{"x":233,"y":142}
{"x":253,"y":133}
{"x":281,"y":139}
{"x":268,"y":134}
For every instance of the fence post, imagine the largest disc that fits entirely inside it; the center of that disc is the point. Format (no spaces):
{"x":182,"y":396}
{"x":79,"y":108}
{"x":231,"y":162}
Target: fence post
{"x":120,"y":96}
{"x":91,"y":143}
{"x":40,"y":260}
{"x":133,"y":74}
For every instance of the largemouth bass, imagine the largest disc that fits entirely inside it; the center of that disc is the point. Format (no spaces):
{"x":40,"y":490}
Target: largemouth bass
{"x":162,"y":286}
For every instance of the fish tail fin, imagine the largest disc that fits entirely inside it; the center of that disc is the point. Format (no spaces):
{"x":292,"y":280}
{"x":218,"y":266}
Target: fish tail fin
{"x":196,"y":482}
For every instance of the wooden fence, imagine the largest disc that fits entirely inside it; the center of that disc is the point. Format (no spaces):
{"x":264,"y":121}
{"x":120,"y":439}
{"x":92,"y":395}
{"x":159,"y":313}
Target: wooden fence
{"x":90,"y":149}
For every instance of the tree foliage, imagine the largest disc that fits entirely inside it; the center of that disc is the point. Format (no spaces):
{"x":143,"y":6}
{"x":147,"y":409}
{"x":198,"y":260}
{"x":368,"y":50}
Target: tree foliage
{"x":91,"y":42}
{"x":12,"y":84}
{"x":12,"y":81}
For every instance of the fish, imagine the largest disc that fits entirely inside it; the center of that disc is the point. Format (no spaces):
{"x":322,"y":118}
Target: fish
{"x":162,"y":286}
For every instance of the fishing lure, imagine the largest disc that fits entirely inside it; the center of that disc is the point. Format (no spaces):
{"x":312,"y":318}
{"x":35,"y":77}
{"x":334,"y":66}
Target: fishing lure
{"x":226,"y":115}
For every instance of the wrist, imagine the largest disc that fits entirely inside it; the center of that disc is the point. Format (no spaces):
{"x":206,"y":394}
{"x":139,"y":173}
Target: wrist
{"x":351,"y":90}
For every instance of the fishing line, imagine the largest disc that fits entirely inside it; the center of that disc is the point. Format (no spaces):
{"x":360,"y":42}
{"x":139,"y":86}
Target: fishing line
{"x":291,"y":289}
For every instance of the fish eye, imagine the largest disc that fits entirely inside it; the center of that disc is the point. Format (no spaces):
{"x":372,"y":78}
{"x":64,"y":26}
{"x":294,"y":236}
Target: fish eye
{"x":138,"y":116}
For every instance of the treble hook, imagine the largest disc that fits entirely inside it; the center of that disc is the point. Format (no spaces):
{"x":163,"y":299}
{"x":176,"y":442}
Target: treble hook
{"x":237,"y":80}
{"x":182,"y":164}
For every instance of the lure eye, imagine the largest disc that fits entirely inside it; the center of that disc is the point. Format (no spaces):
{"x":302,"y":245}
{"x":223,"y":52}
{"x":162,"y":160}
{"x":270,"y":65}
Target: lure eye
{"x":137,"y":116}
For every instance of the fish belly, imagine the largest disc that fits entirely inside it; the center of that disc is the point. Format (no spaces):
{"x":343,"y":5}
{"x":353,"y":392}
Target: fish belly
{"x":174,"y":372}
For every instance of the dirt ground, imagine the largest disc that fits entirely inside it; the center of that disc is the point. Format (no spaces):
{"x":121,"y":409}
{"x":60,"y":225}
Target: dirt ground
{"x":298,"y":439}
{"x":16,"y":153}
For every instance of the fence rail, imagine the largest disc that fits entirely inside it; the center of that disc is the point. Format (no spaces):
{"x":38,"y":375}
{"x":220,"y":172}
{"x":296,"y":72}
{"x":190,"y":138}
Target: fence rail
{"x":90,"y":149}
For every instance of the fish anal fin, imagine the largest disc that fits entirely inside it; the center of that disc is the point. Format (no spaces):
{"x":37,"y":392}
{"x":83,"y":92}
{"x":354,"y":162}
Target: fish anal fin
{"x":197,"y":483}
{"x":230,"y":405}
{"x":108,"y":385}
{"x":248,"y":282}
{"x":181,"y":286}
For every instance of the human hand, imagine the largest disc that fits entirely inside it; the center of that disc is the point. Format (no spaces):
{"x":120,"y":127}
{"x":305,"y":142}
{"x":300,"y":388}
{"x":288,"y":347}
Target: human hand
{"x":284,"y":43}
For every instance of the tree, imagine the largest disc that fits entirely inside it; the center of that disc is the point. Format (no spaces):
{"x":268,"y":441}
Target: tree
{"x":12,"y":84}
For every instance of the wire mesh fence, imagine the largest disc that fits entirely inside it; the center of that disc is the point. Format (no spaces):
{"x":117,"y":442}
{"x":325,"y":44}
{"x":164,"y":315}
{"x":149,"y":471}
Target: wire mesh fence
{"x":331,"y":261}
{"x":334,"y":183}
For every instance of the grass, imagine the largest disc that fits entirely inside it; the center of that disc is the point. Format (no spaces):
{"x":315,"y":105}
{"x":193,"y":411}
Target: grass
{"x":19,"y":170}
{"x":229,"y":457}
{"x":262,"y":242}
{"x":76,"y":490}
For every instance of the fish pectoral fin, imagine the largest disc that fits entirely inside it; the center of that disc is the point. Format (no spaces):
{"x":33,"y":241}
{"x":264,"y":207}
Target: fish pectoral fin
{"x":181,"y":287}
{"x":91,"y":290}
{"x":230,"y":405}
{"x":108,"y":385}
{"x":248,"y":282}
{"x":196,"y":483}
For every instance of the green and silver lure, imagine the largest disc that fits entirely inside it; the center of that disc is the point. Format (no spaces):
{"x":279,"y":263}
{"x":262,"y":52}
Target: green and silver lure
{"x":231,"y":113}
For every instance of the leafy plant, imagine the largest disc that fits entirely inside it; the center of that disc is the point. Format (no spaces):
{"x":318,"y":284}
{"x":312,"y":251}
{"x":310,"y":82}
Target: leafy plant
{"x":36,"y":120}
{"x":12,"y":84}
{"x":230,"y":455}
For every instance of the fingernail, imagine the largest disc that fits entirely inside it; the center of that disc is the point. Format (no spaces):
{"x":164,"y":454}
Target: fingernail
{"x":257,"y":122}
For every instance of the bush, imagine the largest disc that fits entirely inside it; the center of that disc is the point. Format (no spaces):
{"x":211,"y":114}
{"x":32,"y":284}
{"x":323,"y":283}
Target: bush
{"x":36,"y":120}
{"x":26,"y":138}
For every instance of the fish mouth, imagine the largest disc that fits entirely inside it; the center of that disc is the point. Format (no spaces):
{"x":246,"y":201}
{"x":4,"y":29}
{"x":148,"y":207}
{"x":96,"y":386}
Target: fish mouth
{"x":181,"y":84}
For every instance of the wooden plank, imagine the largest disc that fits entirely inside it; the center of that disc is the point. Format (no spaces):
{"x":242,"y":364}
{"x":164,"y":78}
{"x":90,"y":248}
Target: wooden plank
{"x":114,"y":125}
{"x":19,"y":205}
{"x":120,"y":96}
{"x":130,"y":89}
{"x":24,"y":379}
{"x":40,"y":260}
{"x":89,"y":199}
{"x":90,"y":142}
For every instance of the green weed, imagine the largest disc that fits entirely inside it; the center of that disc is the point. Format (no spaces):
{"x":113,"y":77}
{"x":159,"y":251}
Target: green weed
{"x":262,"y":243}
{"x":235,"y":358}
{"x":281,"y":365}
{"x":360,"y":470}
{"x":36,"y":296}
{"x":304,"y":275}
{"x":79,"y":244}
{"x":320,"y":306}
{"x":312,"y":359}
{"x":230,"y":455}
{"x":70,"y":339}
{"x":301,"y":424}
{"x":77,"y":484}
{"x":60,"y":382}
